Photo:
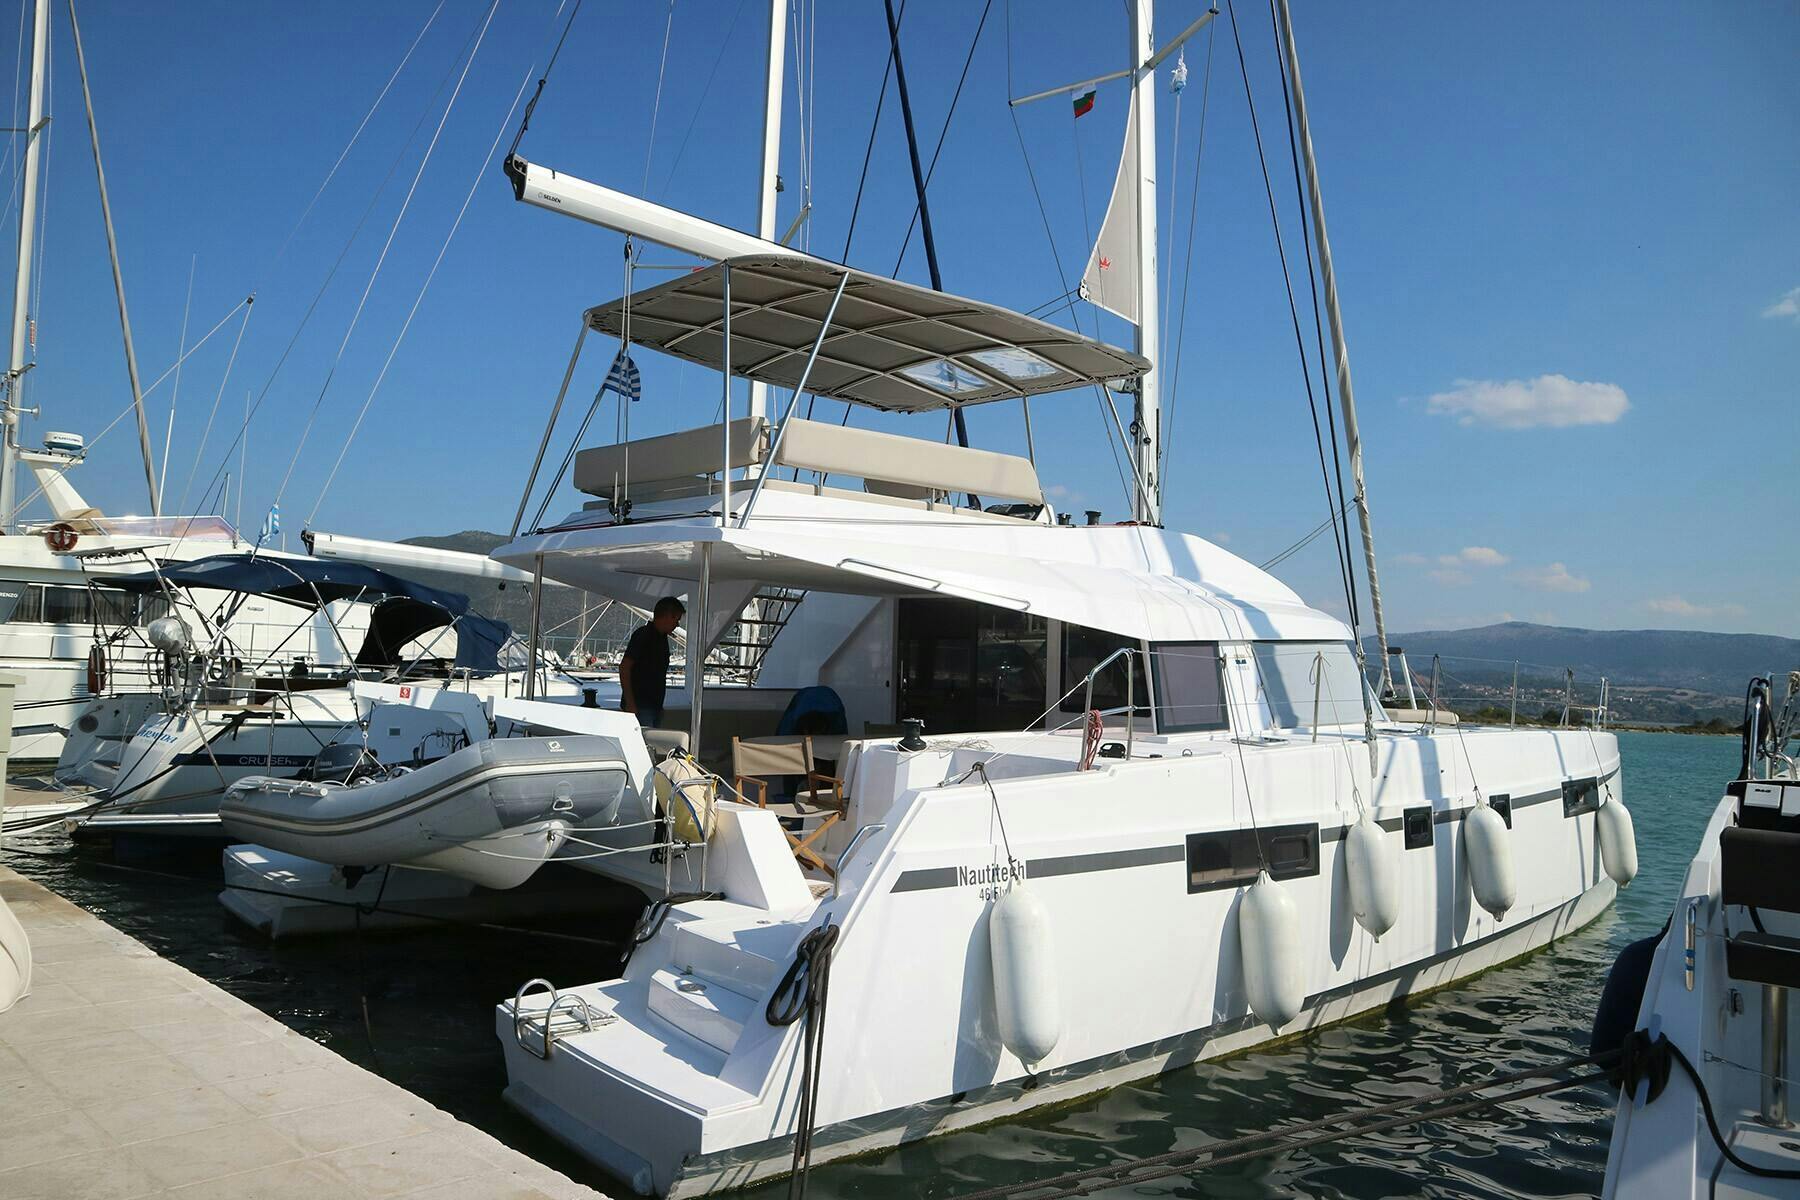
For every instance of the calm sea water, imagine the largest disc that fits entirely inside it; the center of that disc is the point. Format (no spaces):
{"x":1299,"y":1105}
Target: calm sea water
{"x":417,"y":1008}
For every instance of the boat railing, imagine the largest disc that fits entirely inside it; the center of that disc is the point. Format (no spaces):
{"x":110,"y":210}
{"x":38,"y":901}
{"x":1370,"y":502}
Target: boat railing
{"x":1492,"y":690}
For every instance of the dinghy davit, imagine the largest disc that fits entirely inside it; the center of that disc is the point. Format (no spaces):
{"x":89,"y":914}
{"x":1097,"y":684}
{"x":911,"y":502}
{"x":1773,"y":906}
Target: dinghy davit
{"x":492,"y":812}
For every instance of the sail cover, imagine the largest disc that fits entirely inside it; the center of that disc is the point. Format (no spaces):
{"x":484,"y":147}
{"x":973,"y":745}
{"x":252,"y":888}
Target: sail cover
{"x":1111,"y":278}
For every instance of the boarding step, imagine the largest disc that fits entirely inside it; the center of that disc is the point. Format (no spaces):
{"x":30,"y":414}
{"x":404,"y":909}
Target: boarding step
{"x":746,"y":951}
{"x":706,"y":1011}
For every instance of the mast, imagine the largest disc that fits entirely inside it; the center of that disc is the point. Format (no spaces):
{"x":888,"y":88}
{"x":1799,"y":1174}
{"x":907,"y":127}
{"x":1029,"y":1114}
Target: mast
{"x":1146,"y":425}
{"x":1340,"y":352}
{"x":21,"y":322}
{"x":770,"y":184}
{"x":112,"y":251}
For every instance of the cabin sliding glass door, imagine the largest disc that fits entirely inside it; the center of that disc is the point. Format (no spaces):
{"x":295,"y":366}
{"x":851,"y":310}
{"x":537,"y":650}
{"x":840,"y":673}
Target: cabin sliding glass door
{"x":966,"y":666}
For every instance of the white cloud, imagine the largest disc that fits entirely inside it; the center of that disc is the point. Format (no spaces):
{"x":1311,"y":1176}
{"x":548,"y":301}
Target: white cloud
{"x":1555,"y":401}
{"x":1788,"y":306}
{"x":1474,"y":556}
{"x":1553,"y":578}
{"x":1678,"y":606}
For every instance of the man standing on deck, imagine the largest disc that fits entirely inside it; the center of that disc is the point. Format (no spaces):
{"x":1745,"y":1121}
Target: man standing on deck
{"x":644,"y":671}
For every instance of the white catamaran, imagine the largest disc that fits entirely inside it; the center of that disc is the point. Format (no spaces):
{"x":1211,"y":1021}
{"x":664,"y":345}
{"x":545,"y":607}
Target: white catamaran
{"x":1146,"y":810}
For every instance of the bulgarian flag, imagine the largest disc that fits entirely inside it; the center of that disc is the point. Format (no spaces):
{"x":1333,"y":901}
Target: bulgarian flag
{"x":1084,"y":103}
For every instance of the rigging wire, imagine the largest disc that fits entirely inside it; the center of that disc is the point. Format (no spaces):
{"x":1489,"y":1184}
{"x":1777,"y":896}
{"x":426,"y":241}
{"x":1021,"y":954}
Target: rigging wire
{"x":869,"y":150}
{"x":360,"y":126}
{"x":1187,"y":262}
{"x":381,"y":258}
{"x":248,"y":307}
{"x":1062,"y":276}
{"x":656,"y":104}
{"x":419,"y":299}
{"x":938,"y":149}
{"x":700,"y":104}
{"x":1293,"y":305}
{"x":1337,"y":459}
{"x":556,"y":52}
{"x":239,"y":441}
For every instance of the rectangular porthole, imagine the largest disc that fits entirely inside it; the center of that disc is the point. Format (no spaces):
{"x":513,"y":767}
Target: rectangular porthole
{"x":1416,"y":824}
{"x":1580,"y":796}
{"x":1503,"y":806}
{"x":1232,"y":857}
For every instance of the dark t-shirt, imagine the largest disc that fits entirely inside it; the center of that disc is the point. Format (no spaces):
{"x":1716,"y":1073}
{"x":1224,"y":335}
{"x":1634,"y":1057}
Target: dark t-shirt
{"x":648,"y":651}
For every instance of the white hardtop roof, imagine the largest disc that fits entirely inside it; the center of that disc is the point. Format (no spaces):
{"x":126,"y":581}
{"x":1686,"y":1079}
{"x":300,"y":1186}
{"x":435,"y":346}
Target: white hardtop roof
{"x":1135,"y":580}
{"x":891,"y":345}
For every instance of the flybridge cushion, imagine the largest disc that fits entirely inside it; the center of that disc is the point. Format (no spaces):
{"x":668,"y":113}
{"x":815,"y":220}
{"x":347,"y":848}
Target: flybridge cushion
{"x":893,"y":458}
{"x":810,"y":446}
{"x":684,"y":455}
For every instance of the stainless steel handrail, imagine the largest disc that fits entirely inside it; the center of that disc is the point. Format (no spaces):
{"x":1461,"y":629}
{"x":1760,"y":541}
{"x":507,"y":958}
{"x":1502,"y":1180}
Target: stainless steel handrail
{"x":1087,"y":700}
{"x":837,"y":870}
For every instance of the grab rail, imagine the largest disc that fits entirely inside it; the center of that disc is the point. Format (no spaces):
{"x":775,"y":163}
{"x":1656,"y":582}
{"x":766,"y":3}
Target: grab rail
{"x":1087,"y":698}
{"x":837,"y":870}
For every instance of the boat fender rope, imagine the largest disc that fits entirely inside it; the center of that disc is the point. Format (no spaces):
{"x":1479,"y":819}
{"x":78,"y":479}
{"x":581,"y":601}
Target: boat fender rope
{"x":802,"y":994}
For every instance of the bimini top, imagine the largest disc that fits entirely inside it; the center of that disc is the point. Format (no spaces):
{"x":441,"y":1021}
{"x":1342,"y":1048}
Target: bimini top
{"x":309,"y":581}
{"x":891,"y":345}
{"x":402,"y":610}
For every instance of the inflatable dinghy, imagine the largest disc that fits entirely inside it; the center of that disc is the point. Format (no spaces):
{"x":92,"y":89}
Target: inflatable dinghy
{"x":491,"y":813}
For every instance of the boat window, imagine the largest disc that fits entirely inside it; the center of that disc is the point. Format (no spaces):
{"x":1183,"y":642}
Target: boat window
{"x":1234,"y":857}
{"x":1014,"y":363}
{"x":1287,"y":678}
{"x":966,"y":667}
{"x":1190,"y":693}
{"x":13,"y":595}
{"x":942,"y":375}
{"x":115,"y":608}
{"x":65,"y":605}
{"x":1082,"y":650}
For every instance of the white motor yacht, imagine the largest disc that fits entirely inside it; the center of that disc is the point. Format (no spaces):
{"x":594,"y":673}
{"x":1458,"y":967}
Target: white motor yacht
{"x":1701,"y":1012}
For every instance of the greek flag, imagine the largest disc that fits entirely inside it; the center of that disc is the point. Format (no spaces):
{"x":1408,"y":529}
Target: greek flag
{"x":624,"y":378}
{"x":271,"y":524}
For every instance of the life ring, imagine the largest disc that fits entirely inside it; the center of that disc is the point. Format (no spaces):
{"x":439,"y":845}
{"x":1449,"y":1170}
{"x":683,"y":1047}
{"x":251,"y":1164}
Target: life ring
{"x":61,"y":537}
{"x":96,"y":670}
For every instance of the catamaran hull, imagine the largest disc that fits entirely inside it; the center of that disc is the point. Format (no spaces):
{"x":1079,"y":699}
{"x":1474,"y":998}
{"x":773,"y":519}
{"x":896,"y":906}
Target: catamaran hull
{"x":684,"y":1086}
{"x":692,"y":1172}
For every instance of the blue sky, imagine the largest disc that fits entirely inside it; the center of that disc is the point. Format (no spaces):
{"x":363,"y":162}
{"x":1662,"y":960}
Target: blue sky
{"x":1567,"y":240}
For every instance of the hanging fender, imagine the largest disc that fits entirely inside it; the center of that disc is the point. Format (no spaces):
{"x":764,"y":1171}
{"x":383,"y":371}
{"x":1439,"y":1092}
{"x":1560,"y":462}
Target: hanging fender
{"x":1374,"y":876}
{"x":1023,"y":956}
{"x":96,"y":669}
{"x":1268,"y":925}
{"x":1618,"y":841}
{"x":1488,"y":854}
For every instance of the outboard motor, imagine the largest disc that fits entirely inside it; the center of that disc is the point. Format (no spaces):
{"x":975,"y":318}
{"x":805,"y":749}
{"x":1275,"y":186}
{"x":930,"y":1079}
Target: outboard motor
{"x":343,"y":762}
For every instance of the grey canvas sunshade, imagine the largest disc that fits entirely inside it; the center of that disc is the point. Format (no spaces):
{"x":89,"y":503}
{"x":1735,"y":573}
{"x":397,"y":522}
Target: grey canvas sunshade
{"x":891,"y":346}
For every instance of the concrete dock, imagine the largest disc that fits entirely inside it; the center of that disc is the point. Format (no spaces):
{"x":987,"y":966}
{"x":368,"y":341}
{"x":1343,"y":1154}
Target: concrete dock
{"x":123,"y":1075}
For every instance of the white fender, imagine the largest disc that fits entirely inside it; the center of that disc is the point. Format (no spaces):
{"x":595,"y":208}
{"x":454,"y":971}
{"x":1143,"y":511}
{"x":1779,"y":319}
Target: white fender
{"x":1374,"y":876}
{"x":1024,"y":961}
{"x":1488,"y":853}
{"x":15,"y":959}
{"x":1618,"y":841}
{"x":1269,"y":943}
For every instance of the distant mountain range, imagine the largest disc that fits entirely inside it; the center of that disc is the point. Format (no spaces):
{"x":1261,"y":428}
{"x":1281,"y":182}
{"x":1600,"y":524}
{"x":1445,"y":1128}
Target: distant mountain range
{"x":1716,"y":663}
